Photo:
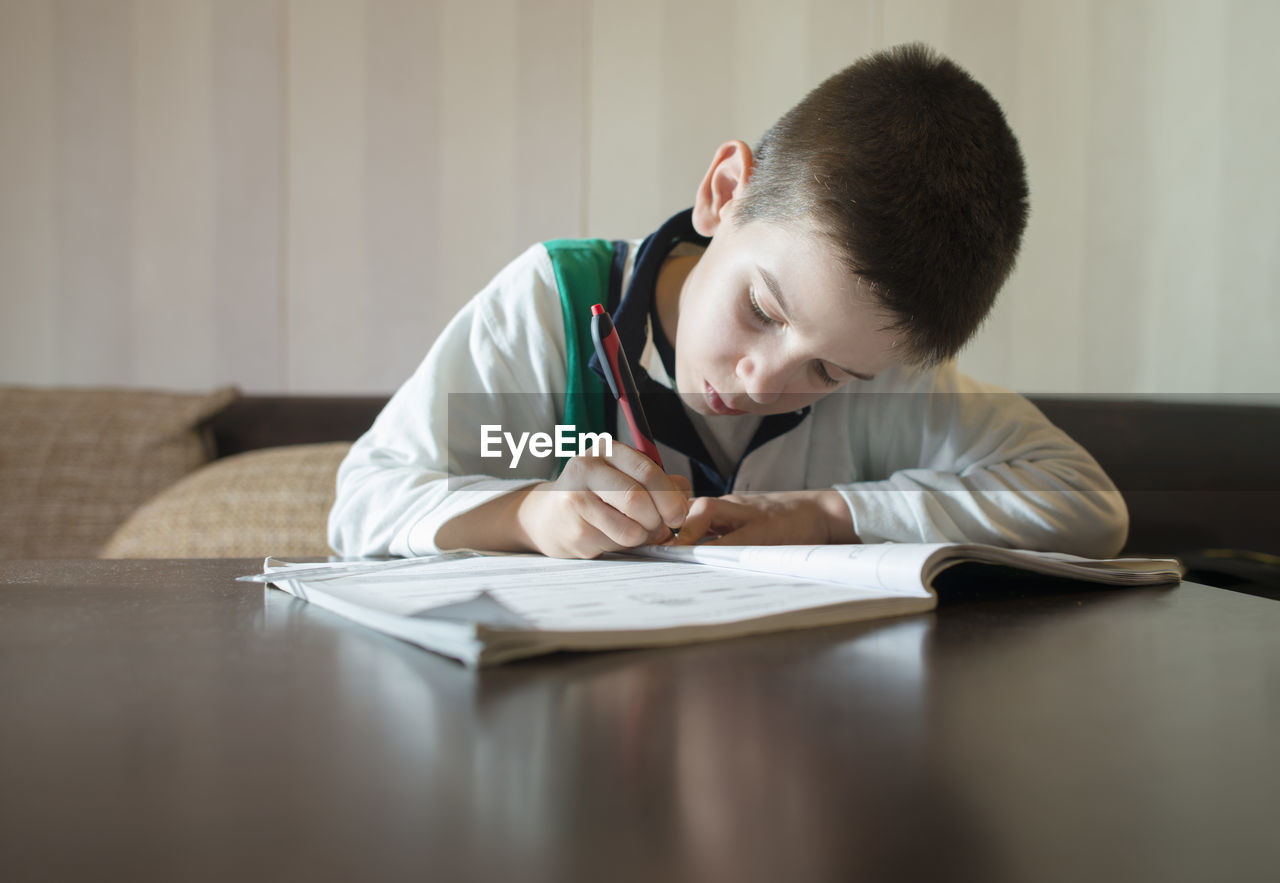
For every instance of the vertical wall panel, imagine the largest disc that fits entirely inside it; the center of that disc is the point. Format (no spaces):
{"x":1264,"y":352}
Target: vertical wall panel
{"x":172,"y":300}
{"x":1050,"y":117}
{"x":28,"y":153}
{"x":1185,"y":113}
{"x":928,"y":21}
{"x":95,"y":194}
{"x":1181,"y":265}
{"x":326,"y":300}
{"x":1248,"y":230}
{"x":478,"y":146}
{"x":840,"y":32}
{"x":402,"y":95}
{"x":624,"y":114}
{"x":769,"y":63}
{"x":246,"y":280}
{"x":298,"y":194}
{"x":1118,"y":189}
{"x":550,"y":119}
{"x":699,"y":84}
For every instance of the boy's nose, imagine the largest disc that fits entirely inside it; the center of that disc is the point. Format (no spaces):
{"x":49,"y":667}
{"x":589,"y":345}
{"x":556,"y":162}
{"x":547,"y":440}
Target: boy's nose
{"x":764,"y":384}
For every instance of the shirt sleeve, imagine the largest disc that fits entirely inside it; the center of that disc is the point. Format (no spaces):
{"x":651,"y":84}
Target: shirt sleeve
{"x":970,"y":462}
{"x":501,"y":363}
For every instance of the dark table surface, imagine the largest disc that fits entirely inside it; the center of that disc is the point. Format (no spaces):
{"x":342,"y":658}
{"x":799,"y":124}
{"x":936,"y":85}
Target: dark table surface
{"x":159,"y":721}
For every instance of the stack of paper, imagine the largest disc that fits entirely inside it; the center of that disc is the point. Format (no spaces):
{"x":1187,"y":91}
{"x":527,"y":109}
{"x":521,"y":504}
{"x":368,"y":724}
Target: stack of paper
{"x":488,"y":609}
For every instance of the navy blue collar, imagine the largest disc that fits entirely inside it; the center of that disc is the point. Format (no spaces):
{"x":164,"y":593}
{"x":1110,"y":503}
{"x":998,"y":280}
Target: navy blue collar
{"x":667,"y":416}
{"x":631,"y":311}
{"x":639,"y":302}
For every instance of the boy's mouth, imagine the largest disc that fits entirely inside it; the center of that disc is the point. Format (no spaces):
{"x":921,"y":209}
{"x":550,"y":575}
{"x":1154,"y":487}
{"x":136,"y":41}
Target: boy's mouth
{"x":717,"y":404}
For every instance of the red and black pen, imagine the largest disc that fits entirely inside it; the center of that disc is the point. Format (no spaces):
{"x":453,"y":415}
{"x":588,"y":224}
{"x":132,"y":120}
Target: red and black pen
{"x":621,"y":383}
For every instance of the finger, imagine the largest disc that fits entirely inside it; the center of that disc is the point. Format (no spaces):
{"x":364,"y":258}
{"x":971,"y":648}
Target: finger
{"x":668,"y":494}
{"x":617,"y":530}
{"x":695,"y":526}
{"x":603,"y":478}
{"x":663,"y":536}
{"x":685,"y":486}
{"x":564,"y":529}
{"x":709,"y":517}
{"x":586,"y":541}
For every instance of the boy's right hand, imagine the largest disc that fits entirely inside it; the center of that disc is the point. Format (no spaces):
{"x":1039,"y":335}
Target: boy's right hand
{"x":603,"y":504}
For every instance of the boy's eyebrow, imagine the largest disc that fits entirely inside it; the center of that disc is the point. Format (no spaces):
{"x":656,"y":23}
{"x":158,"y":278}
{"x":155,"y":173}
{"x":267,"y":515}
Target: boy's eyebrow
{"x":772,"y":281}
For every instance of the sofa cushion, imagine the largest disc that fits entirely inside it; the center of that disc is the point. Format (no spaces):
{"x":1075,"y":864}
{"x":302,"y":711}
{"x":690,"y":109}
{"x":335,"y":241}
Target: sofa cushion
{"x":75,"y":462}
{"x":274,"y":501}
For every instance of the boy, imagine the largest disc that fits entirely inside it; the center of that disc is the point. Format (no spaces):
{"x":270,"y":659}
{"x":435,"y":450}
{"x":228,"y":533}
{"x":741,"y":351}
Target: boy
{"x":792,"y":337}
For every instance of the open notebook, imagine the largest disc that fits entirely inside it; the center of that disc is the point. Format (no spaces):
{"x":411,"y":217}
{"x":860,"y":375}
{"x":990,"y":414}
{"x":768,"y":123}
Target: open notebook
{"x":487,"y":609}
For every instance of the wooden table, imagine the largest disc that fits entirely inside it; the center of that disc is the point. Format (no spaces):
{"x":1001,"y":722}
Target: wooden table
{"x":159,"y":721}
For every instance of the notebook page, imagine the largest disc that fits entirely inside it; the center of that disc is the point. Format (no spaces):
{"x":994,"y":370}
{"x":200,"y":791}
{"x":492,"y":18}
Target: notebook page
{"x":885,"y":568}
{"x":571,"y":595}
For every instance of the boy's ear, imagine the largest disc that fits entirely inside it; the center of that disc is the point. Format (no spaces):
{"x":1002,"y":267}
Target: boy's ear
{"x":725,"y":181}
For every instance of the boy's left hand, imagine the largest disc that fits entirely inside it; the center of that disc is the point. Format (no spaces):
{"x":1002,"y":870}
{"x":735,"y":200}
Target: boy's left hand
{"x":769,"y":519}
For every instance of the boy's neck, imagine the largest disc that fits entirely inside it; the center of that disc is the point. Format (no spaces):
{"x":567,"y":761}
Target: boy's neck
{"x":669,"y":289}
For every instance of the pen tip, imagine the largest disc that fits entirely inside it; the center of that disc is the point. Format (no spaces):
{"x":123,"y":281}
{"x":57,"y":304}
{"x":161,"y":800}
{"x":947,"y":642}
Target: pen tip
{"x":597,"y":310}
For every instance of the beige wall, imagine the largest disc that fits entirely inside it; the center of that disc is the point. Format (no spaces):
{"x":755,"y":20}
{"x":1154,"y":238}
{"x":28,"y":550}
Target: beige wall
{"x":295,"y":195}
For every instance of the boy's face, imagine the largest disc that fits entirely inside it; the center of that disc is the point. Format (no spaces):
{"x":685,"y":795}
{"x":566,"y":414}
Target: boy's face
{"x":769,"y":320}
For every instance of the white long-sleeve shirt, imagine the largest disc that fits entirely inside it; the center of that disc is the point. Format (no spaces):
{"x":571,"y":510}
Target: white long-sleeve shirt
{"x":918,"y":455}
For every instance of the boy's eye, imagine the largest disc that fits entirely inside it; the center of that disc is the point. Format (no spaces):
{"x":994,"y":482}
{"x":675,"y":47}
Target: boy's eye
{"x":759,"y":314}
{"x":824,"y":375}
{"x":763,"y":319}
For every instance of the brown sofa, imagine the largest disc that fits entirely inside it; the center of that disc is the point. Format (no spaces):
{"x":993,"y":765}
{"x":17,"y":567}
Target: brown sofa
{"x":1197,"y":476}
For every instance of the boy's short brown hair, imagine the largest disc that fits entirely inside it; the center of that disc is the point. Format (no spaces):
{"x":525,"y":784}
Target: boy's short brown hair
{"x":908,"y":164}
